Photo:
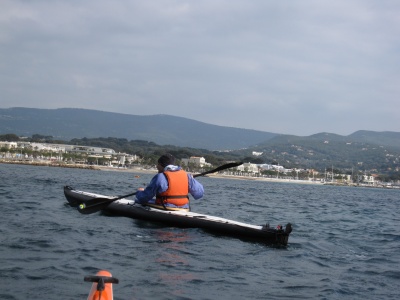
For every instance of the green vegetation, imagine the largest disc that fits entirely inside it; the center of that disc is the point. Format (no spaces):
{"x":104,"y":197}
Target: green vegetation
{"x":150,"y":151}
{"x":321,"y":152}
{"x":348,"y":155}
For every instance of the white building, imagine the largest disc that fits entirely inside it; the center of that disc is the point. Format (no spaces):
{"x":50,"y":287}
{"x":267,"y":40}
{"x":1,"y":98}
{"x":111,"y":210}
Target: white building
{"x":8,"y":145}
{"x":366,"y":179}
{"x":194,"y":160}
{"x":124,"y":158}
{"x":248,"y":167}
{"x":257,"y":153}
{"x":265,"y":166}
{"x":47,"y":147}
{"x":89,"y":150}
{"x":63,"y":148}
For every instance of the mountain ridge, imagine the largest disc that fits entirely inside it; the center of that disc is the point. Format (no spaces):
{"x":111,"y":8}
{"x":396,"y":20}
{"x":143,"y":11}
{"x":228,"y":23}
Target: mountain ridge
{"x":363,"y":150}
{"x":71,"y":123}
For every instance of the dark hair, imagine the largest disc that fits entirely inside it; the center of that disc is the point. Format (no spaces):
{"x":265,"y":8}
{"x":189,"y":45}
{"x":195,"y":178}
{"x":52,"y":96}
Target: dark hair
{"x":166,"y":159}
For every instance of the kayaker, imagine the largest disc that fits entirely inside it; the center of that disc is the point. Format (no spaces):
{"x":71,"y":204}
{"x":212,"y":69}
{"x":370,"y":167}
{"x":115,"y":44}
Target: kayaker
{"x":170,"y":187}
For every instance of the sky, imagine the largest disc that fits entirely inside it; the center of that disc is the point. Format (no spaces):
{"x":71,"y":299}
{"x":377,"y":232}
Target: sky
{"x":288,"y":67}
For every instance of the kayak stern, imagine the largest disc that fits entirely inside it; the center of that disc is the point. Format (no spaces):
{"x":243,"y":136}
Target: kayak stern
{"x":102,"y":286}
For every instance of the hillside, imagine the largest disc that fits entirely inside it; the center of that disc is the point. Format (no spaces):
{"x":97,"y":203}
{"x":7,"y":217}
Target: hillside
{"x":362,"y":150}
{"x":69,"y":123}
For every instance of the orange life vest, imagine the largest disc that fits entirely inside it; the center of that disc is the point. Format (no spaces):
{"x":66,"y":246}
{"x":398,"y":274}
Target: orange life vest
{"x":178,"y":189}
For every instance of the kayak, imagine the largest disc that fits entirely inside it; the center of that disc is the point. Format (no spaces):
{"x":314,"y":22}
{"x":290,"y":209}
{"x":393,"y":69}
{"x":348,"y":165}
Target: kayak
{"x":184,"y":219}
{"x":102,"y":286}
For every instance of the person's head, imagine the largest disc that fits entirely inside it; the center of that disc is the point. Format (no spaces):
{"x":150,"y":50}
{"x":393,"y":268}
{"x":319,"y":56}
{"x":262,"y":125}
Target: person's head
{"x":165,"y":160}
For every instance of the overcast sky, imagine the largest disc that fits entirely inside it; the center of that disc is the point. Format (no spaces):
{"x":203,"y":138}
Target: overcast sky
{"x":291,"y":67}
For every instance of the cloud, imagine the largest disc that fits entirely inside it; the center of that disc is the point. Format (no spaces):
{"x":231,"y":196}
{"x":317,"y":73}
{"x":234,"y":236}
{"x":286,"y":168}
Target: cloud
{"x":286,"y":67}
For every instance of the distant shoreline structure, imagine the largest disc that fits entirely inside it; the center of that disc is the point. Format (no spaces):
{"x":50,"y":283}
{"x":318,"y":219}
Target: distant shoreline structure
{"x":48,"y":164}
{"x":139,"y":170}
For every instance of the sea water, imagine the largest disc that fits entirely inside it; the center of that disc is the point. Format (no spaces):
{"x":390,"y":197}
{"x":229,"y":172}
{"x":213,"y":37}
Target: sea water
{"x":345,"y":242}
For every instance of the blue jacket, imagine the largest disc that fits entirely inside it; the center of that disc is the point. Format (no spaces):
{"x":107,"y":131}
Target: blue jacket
{"x":159,"y":184}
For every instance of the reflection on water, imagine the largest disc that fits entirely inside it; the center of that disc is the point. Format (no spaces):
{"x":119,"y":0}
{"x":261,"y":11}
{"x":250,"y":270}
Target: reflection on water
{"x":172,"y":249}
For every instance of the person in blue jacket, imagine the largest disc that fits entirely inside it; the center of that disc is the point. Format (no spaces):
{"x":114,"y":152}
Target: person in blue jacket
{"x":170,"y":188}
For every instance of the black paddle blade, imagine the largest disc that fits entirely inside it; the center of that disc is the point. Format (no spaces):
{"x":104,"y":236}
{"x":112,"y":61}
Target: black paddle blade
{"x":228,"y":166}
{"x":94,"y":205}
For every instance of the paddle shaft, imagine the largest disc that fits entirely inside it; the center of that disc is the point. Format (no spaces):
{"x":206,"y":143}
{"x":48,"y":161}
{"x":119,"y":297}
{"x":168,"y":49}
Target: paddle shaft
{"x":97,"y":204}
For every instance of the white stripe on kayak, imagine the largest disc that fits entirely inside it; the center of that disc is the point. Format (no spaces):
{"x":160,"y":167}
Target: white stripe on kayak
{"x":192,"y":215}
{"x":175,"y":212}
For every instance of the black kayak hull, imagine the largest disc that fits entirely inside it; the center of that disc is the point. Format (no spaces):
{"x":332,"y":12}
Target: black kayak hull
{"x":216,"y":225}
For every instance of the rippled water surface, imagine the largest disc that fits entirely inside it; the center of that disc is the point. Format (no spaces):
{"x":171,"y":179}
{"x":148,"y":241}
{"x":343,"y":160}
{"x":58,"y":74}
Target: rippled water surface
{"x":345,"y":242}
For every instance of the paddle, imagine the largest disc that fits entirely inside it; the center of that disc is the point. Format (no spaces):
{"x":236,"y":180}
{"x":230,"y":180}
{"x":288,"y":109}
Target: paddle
{"x":97,"y":204}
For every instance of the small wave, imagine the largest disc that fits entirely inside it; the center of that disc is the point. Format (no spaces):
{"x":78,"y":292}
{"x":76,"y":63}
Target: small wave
{"x":392,"y":274}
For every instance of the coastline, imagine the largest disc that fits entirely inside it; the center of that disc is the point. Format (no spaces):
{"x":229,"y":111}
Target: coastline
{"x":43,"y":163}
{"x":236,"y":177}
{"x":139,"y":170}
{"x":215,"y":175}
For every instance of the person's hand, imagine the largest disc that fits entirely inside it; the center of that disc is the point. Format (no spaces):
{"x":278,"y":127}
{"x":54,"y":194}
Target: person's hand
{"x":140,"y":189}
